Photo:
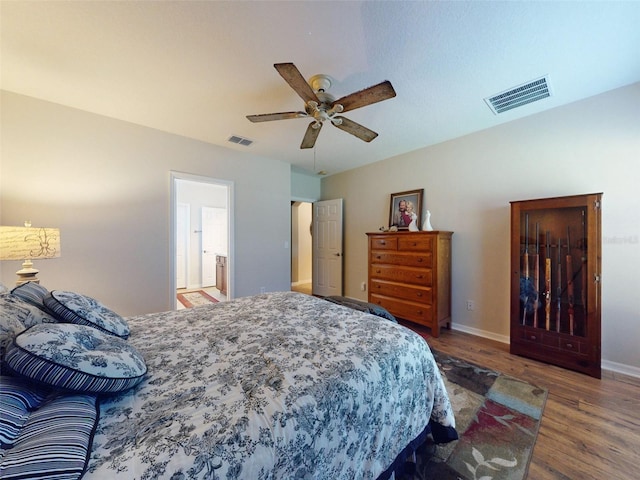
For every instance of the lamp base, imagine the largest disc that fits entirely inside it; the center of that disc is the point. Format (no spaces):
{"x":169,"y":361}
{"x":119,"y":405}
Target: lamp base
{"x":27,"y":273}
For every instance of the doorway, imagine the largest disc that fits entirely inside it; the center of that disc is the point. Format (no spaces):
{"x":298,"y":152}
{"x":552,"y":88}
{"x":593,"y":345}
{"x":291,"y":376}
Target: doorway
{"x":301,"y":247}
{"x":316,"y":247}
{"x":202,"y":234}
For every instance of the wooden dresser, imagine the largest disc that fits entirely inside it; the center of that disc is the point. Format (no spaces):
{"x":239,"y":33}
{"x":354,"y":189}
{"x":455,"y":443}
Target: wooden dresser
{"x":410,"y":276}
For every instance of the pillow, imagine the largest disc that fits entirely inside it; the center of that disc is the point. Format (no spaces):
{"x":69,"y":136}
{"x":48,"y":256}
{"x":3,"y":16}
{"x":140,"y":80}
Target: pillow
{"x":55,"y":442}
{"x":31,"y":292}
{"x":29,"y":315}
{"x":362,"y":306}
{"x":10,"y":327}
{"x":17,"y":399}
{"x":75,"y":358}
{"x":75,"y":308}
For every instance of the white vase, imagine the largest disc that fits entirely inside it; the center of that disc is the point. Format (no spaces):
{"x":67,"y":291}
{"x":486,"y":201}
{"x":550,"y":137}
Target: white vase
{"x":426,"y":225}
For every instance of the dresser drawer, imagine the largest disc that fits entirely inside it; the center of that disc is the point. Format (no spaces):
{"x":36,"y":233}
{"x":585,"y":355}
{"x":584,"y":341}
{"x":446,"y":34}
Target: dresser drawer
{"x":415,"y":243}
{"x":409,"y":260}
{"x":408,"y":310}
{"x":415,"y":276}
{"x":383,"y":243}
{"x":406,"y":292}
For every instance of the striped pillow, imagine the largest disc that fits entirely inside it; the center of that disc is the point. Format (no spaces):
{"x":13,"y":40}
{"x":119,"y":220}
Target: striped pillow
{"x":17,"y":399}
{"x":55,"y":442}
{"x":76,"y":358}
{"x":32,"y":293}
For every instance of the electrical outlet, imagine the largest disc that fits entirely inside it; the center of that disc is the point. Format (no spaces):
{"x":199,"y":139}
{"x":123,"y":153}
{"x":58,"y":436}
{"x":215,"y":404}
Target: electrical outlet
{"x":363,"y":286}
{"x":263,"y":289}
{"x":471,"y":305}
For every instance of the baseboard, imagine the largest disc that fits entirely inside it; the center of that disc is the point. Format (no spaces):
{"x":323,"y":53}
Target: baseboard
{"x":622,"y":372}
{"x":481,"y":333}
{"x":617,"y":371}
{"x":301,"y":282}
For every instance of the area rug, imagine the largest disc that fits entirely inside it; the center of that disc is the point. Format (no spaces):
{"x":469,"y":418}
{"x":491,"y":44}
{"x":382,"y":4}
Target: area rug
{"x":497,"y":418}
{"x":196,"y":298}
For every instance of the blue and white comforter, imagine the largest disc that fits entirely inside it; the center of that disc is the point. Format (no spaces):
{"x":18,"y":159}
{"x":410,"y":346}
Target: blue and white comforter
{"x":276,"y":386}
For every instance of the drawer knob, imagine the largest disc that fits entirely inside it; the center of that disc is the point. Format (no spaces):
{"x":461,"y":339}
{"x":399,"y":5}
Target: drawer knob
{"x":419,"y":312}
{"x":419,"y":294}
{"x":378,"y":257}
{"x":569,"y":345}
{"x":382,"y":242}
{"x":419,"y":259}
{"x":533,"y":337}
{"x":419,"y":276}
{"x":378,"y":271}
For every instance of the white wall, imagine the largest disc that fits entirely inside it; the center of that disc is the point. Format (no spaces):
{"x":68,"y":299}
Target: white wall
{"x":106,"y":184}
{"x":589,"y":146}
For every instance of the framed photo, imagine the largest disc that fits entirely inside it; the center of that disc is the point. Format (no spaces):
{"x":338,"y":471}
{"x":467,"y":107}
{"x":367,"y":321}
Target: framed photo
{"x":406,"y":210}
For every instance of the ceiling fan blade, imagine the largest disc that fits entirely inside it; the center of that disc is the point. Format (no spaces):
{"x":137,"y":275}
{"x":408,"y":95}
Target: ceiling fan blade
{"x":294,"y":78}
{"x":375,"y":94}
{"x":349,"y":126}
{"x":267,"y":117}
{"x":311,"y":135}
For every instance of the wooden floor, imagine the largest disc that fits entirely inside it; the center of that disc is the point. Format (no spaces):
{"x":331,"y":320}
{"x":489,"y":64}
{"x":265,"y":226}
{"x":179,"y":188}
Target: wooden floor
{"x":590,"y":428}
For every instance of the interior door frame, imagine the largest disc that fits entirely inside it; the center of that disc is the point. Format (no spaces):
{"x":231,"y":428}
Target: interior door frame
{"x":295,"y":198}
{"x":174,"y":176}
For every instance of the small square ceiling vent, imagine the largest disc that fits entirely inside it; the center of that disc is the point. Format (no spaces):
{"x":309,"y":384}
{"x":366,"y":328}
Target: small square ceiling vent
{"x":521,"y":95}
{"x":240,"y":140}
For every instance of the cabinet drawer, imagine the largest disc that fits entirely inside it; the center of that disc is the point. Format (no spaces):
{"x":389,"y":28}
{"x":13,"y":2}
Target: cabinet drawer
{"x":415,"y":276}
{"x":415,"y":244}
{"x":573,"y":345}
{"x":410,"y":260}
{"x":383,"y":243}
{"x":407,"y":310}
{"x":406,"y":292}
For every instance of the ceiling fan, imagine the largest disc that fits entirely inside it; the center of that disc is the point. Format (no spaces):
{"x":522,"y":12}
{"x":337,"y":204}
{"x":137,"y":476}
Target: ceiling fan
{"x":322,"y":106}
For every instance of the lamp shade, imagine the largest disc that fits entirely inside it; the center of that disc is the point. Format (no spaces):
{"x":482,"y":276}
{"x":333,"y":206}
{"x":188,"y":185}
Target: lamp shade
{"x":22,"y":243}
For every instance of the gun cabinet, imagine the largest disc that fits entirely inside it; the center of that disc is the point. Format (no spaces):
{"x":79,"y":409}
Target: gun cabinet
{"x":555,"y":282}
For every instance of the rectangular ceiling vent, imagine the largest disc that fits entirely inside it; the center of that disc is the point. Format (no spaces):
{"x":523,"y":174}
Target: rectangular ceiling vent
{"x":520,"y":95}
{"x":240,"y":140}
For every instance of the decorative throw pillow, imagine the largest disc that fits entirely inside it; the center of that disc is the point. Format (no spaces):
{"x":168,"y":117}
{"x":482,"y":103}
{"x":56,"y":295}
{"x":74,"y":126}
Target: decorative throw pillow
{"x":10,"y":327}
{"x":11,"y":305}
{"x":32,"y":293}
{"x":17,"y":400}
{"x":76,"y":358}
{"x":75,"y":308}
{"x":55,"y":442}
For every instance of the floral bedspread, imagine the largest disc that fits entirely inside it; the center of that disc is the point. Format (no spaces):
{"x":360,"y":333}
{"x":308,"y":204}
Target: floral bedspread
{"x":275,"y":386}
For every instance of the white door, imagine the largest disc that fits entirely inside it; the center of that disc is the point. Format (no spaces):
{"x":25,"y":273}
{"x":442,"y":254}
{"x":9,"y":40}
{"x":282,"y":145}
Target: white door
{"x":182,"y":244}
{"x":327,"y":248}
{"x":214,"y":241}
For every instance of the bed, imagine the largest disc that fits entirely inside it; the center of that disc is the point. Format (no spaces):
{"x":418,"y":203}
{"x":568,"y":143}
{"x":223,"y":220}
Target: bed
{"x":273,"y":386}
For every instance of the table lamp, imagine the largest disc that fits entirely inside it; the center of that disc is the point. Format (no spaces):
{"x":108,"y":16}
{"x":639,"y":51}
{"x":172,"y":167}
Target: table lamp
{"x":27,"y":243}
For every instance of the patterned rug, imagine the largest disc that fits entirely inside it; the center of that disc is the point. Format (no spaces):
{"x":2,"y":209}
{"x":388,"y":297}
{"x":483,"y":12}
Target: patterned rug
{"x":497,"y":418}
{"x":195,"y":299}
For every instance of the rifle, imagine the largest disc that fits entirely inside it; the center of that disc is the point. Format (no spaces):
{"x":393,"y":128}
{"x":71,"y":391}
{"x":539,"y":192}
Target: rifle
{"x":525,"y":268}
{"x":569,"y":282}
{"x":559,"y":287}
{"x":547,"y":283}
{"x":536,"y":277}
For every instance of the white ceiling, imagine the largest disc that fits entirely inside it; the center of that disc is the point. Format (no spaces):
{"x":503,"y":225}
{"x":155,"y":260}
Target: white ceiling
{"x":198,"y":68}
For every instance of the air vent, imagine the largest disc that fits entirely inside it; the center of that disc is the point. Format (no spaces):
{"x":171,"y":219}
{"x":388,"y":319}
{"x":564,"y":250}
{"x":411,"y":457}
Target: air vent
{"x":240,"y":140}
{"x":519,"y":96}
